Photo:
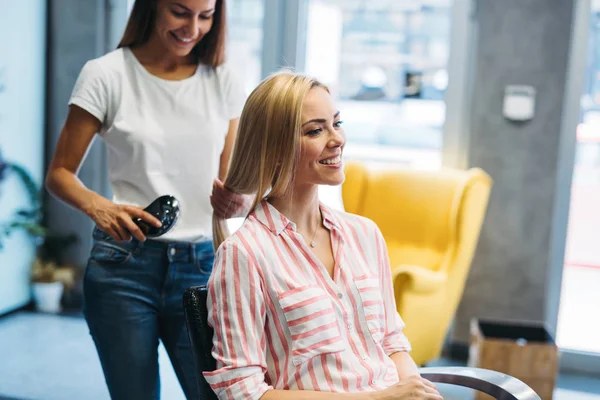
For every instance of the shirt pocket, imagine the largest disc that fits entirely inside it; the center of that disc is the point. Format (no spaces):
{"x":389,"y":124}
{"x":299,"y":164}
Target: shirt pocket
{"x":372,"y":304}
{"x":311,"y":320}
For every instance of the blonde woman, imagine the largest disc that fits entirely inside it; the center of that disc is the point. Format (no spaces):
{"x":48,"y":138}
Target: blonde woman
{"x":300,"y":297}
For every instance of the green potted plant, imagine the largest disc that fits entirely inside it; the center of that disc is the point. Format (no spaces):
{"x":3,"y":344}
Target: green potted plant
{"x":47,"y":285}
{"x":50,"y":278}
{"x":27,"y":219}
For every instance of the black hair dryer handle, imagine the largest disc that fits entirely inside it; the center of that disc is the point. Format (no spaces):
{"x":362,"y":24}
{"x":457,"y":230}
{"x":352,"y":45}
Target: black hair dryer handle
{"x":166,"y":210}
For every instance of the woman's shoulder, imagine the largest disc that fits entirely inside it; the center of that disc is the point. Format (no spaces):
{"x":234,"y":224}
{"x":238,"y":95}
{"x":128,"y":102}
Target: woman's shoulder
{"x":110,"y":60}
{"x":243,"y":238}
{"x":107,"y":65}
{"x":346,"y":219}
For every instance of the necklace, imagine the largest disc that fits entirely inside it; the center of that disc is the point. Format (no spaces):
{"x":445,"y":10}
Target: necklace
{"x":312,"y":241}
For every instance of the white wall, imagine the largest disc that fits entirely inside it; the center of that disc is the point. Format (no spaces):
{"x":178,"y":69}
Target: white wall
{"x":22,"y":60}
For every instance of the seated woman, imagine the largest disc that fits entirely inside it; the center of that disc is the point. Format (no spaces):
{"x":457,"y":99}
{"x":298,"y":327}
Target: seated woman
{"x":300,"y":297}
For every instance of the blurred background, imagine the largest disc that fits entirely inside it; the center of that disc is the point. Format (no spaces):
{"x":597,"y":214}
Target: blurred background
{"x":419,"y":83}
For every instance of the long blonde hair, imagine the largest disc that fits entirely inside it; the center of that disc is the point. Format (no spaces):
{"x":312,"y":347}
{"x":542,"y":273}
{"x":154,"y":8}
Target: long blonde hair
{"x":267,"y":146}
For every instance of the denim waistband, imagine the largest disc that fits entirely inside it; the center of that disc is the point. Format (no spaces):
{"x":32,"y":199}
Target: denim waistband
{"x":177,"y":251}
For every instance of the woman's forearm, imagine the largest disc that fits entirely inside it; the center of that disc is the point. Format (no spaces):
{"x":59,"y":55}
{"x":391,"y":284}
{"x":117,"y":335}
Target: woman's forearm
{"x":312,"y":395}
{"x":66,"y":186}
{"x":405,"y":365}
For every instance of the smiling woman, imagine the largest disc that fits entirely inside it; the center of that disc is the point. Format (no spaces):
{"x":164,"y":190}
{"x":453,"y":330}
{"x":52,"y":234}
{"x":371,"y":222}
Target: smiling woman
{"x":301,"y":296}
{"x":167,"y":106}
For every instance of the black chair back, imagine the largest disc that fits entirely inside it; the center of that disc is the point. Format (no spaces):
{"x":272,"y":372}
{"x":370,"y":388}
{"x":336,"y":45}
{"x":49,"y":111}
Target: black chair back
{"x":201,"y":335}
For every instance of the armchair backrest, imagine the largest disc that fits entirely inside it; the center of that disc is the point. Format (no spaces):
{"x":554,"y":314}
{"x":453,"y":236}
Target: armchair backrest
{"x":418,"y":212}
{"x":201,"y":336}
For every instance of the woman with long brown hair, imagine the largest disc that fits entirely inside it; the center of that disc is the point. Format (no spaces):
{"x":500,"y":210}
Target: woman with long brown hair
{"x":167,"y":108}
{"x":301,"y":297}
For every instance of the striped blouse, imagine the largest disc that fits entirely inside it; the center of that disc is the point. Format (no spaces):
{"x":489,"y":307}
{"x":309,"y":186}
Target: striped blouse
{"x":282,"y":322}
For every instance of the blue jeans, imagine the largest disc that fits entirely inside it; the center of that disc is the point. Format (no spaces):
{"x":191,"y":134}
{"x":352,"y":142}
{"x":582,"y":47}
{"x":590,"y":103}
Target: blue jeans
{"x":132,"y":298}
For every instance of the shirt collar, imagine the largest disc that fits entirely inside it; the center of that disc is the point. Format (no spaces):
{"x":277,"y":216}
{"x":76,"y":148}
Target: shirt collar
{"x":329,"y":218}
{"x":276,"y":222}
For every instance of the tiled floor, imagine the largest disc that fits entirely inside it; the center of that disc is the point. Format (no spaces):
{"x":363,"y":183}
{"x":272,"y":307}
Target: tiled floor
{"x":47,"y":357}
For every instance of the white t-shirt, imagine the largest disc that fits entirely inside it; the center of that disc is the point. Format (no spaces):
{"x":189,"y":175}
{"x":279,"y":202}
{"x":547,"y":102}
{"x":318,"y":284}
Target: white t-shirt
{"x":163,"y":137}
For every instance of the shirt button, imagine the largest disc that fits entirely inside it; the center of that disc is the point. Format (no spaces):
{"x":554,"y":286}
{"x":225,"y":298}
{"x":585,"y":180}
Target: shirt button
{"x":349,"y":326}
{"x":364,"y":357}
{"x":340,"y":296}
{"x":173,"y":251}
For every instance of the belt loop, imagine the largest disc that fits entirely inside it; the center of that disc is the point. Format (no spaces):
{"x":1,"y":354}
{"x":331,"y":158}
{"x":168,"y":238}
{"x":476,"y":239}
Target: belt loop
{"x":171,"y":251}
{"x":137,"y":246}
{"x":193,"y":255}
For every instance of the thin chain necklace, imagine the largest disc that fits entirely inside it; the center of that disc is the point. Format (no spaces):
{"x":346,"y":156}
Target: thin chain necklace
{"x":312,"y":241}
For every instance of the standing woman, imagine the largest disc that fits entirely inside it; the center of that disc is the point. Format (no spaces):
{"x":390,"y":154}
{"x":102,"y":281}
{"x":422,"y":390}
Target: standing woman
{"x":167,"y":108}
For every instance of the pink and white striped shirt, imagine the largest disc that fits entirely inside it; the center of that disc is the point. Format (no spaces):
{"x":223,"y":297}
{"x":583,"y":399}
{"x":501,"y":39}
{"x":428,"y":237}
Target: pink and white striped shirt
{"x":282,"y":322}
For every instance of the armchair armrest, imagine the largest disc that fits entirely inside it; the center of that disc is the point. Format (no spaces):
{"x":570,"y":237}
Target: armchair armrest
{"x":421,"y":280}
{"x":496,"y":384}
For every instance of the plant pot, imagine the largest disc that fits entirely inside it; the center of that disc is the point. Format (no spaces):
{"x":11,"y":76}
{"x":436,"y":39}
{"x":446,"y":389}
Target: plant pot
{"x":47,"y":296}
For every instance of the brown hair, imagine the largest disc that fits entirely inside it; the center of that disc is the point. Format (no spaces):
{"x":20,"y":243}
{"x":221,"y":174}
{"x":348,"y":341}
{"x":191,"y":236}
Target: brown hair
{"x":267,"y":145}
{"x":209,"y":51}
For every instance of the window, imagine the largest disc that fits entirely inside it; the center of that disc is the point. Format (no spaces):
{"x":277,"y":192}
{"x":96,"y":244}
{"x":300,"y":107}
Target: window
{"x":244,"y":51}
{"x":386,"y":62}
{"x":581,"y":272}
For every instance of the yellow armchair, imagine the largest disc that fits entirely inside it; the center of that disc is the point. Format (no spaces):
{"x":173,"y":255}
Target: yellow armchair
{"x":431,"y":222}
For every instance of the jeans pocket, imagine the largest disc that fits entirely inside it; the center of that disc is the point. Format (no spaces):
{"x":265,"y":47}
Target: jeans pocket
{"x":109,"y":253}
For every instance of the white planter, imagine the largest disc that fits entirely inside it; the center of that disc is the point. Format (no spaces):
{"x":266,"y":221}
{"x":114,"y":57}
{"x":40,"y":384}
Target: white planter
{"x":47,"y":296}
